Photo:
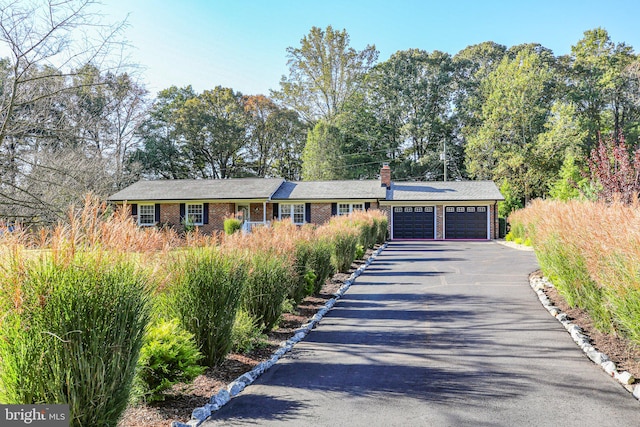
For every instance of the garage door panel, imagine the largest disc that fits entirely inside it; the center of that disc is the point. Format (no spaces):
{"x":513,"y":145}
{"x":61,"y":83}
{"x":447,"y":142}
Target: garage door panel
{"x":413,"y":222}
{"x":466,"y":222}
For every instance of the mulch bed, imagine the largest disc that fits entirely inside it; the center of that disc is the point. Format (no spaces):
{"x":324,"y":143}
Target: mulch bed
{"x":624,"y":353}
{"x":182,"y":399}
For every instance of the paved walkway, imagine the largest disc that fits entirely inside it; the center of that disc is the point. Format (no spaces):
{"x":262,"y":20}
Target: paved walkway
{"x":437,"y":334}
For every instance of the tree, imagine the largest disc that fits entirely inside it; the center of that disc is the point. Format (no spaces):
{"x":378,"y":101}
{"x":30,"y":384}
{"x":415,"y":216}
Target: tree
{"x":213,"y":127}
{"x":275,"y":138}
{"x":324,"y":72}
{"x":321,"y":158}
{"x":161,"y":154}
{"x":518,"y":97}
{"x":616,"y":170}
{"x":602,"y":83}
{"x":49,"y":45}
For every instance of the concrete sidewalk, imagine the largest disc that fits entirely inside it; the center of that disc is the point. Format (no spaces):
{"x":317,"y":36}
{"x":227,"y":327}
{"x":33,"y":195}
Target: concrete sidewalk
{"x":436,"y":334}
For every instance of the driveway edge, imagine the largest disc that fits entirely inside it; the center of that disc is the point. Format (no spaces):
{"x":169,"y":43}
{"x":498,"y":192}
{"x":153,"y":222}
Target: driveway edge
{"x":624,"y":378}
{"x":217,"y":401}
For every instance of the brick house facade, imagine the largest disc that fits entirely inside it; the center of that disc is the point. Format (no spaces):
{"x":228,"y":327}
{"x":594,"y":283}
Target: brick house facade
{"x":416,"y":210}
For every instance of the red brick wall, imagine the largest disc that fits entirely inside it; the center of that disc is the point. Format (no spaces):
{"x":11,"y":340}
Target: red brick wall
{"x":320,"y":213}
{"x":439,"y":222}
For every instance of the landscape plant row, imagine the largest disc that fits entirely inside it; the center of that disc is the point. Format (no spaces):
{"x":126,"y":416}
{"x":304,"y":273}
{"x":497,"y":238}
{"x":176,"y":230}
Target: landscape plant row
{"x":591,"y":251}
{"x":97,"y":312}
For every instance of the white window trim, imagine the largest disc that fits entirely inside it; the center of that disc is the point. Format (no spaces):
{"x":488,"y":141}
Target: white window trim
{"x":153,"y":215}
{"x":360,"y":207}
{"x":187,"y":214}
{"x":288,"y":210}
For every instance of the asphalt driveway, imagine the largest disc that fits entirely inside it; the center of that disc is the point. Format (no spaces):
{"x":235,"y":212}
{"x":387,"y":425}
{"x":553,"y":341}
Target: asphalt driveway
{"x":436,"y":334}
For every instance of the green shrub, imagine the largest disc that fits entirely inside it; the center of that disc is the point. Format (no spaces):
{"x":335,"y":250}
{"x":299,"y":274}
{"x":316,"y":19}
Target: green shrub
{"x":268,"y":283}
{"x":206,"y":296}
{"x":246,"y":334}
{"x":74,"y":337}
{"x":359,"y":252}
{"x":231,"y":225}
{"x":169,"y":355}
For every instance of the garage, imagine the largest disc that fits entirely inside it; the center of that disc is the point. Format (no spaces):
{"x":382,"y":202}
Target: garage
{"x":413,"y":222}
{"x":466,"y":222}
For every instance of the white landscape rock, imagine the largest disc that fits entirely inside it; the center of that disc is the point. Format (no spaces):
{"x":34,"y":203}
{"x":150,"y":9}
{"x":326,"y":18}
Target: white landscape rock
{"x":636,"y":392}
{"x":625,"y":378}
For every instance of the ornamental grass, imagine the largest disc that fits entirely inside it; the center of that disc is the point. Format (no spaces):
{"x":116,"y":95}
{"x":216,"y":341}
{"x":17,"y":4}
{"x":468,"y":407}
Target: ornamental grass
{"x":591,"y":250}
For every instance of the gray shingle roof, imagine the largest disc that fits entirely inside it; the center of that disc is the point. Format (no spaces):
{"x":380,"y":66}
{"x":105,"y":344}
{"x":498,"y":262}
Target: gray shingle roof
{"x":330,"y":190}
{"x":444,"y":191}
{"x":199,"y":189}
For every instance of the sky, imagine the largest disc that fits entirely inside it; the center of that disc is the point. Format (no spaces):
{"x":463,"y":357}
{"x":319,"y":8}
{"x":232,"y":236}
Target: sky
{"x":242,"y":44}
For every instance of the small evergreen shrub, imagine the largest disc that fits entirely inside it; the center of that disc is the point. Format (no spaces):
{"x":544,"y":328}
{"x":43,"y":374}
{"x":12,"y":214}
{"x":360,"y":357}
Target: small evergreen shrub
{"x":360,"y":252}
{"x":169,"y":355}
{"x":231,"y":225}
{"x":246,"y":334}
{"x":206,"y":296}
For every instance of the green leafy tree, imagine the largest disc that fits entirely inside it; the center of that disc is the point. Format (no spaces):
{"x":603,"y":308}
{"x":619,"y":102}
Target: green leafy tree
{"x":321,"y":158}
{"x":162,"y":154}
{"x":602,"y":84}
{"x":518,"y":98}
{"x":572,"y":183}
{"x":324,"y":72}
{"x":276,"y":138}
{"x":213,"y":125}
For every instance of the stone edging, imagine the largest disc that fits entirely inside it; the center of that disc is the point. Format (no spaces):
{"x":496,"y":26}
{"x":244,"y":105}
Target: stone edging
{"x":625,"y":378}
{"x":199,"y":415}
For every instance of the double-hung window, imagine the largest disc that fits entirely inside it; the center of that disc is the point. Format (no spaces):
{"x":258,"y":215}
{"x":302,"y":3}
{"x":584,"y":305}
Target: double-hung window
{"x":195,"y":213}
{"x":292,"y":211}
{"x":347,"y":208}
{"x":146,"y":215}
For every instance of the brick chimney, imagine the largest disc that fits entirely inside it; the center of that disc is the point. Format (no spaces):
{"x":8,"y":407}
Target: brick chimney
{"x":385,"y":175}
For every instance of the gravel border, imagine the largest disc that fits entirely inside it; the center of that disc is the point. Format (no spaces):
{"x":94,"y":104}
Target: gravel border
{"x":217,"y":401}
{"x":624,"y":378}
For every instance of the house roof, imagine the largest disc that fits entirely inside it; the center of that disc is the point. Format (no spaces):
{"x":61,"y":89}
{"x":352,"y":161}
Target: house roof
{"x":330,"y":190}
{"x":444,"y":191}
{"x":199,"y":189}
{"x":281,"y":190}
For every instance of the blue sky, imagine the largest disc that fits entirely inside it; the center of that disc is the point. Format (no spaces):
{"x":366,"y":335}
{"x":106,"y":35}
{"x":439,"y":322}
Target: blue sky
{"x":242,"y":43}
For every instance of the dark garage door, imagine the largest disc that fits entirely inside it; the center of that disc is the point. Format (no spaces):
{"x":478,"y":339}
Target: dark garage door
{"x":465,"y":222}
{"x":413,"y":222}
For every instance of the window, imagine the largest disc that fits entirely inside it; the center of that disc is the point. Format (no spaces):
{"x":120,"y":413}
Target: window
{"x":408,"y":209}
{"x":460,"y":209}
{"x":347,"y":208}
{"x":417,"y":209}
{"x":292,"y":211}
{"x":147,"y":215}
{"x":450,"y":209}
{"x":195,"y":213}
{"x":396,"y":209}
{"x":471,"y":209}
{"x":428,"y":209}
{"x":482,"y":208}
